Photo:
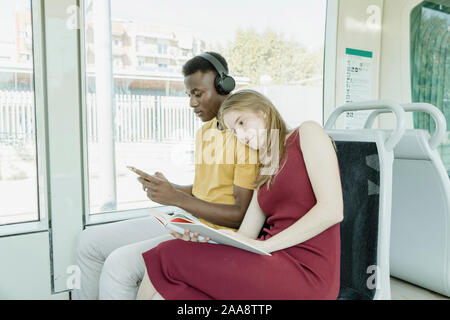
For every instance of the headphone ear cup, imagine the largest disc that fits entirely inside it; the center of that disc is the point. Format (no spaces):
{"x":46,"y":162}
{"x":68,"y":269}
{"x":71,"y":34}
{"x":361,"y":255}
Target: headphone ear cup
{"x":224,"y":85}
{"x":218,"y":85}
{"x":228,"y":84}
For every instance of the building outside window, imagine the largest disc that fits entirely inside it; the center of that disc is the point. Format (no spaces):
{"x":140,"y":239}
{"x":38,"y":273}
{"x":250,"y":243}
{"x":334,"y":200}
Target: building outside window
{"x":18,"y":156}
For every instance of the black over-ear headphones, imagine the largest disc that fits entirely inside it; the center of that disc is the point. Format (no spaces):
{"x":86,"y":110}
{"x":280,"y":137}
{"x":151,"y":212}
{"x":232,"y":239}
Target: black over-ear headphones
{"x":223,"y":83}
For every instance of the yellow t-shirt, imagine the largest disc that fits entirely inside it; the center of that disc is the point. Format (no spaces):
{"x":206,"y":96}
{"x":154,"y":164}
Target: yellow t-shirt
{"x":221,"y":162}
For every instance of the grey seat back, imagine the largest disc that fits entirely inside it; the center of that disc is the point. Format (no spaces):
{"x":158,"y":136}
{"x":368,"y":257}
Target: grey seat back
{"x":420,"y":227}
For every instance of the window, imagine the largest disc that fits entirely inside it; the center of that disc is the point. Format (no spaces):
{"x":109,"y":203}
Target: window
{"x":142,"y":117}
{"x":18,"y":162}
{"x":140,"y":44}
{"x":118,"y":62}
{"x":162,"y":48}
{"x":430,"y":65}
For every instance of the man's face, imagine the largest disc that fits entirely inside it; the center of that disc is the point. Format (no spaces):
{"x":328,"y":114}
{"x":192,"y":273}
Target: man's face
{"x":203,"y":97}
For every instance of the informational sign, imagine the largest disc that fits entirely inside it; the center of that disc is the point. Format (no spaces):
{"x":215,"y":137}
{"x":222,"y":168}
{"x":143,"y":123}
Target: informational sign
{"x":358,"y":84}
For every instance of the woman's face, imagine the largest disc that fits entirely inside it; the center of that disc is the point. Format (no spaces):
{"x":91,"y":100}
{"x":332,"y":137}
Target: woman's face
{"x":248,"y":126}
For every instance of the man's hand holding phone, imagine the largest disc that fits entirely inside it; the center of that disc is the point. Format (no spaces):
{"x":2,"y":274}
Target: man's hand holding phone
{"x":158,"y":188}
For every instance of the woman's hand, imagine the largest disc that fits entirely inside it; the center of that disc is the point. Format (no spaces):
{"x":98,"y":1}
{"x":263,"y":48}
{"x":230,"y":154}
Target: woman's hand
{"x":187,"y":236}
{"x":255,"y":243}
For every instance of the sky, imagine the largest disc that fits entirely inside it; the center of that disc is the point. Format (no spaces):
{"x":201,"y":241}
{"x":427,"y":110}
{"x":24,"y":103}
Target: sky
{"x":213,"y":21}
{"x":216,"y":21}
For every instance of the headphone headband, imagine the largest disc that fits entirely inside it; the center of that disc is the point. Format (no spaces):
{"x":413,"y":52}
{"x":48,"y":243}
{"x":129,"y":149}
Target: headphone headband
{"x":223,"y":83}
{"x":216,"y":63}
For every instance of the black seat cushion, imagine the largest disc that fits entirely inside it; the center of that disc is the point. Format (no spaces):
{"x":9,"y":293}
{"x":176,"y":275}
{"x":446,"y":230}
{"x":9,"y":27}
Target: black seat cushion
{"x":360,"y":178}
{"x":346,"y":293}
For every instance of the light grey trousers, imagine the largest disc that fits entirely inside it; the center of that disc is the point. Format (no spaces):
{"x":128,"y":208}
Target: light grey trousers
{"x":110,"y":257}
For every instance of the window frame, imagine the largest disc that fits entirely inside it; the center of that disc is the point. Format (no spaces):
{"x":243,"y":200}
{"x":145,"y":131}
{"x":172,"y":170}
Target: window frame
{"x":40,"y":110}
{"x":328,"y":105}
{"x":330,"y":56}
{"x":103,"y":217}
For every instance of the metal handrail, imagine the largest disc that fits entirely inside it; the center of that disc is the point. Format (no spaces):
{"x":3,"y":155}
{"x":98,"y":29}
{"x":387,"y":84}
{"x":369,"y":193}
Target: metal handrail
{"x":436,"y":114}
{"x":390,"y":105}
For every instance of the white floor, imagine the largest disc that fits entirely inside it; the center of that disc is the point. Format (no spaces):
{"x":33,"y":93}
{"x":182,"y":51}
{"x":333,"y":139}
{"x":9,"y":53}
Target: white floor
{"x":401,"y":290}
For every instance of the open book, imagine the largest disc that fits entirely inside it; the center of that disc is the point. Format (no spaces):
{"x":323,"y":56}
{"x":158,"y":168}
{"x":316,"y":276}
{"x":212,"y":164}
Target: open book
{"x":179,"y":222}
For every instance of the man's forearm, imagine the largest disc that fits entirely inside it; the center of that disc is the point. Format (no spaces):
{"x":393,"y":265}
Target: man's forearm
{"x":184,"y":189}
{"x":226,"y":215}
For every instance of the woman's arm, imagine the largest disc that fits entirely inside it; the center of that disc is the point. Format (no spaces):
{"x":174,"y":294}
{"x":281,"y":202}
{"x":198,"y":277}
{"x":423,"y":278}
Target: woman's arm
{"x":253,"y":220}
{"x":323,"y":171}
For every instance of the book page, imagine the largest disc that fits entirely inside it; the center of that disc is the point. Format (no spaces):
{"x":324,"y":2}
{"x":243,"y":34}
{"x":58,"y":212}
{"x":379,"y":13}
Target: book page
{"x":218,"y":237}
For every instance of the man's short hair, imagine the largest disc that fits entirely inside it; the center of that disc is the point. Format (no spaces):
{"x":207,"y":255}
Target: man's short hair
{"x":198,"y":63}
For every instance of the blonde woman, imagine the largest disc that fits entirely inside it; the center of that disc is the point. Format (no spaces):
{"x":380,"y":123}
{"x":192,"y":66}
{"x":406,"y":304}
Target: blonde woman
{"x":298,"y":195}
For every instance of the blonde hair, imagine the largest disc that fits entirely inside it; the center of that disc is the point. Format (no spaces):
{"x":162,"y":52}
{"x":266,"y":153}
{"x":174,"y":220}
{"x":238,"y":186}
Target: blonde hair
{"x":253,"y":101}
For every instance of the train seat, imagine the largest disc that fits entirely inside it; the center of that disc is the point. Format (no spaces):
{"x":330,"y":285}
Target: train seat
{"x":366,"y":162}
{"x":420,"y":230}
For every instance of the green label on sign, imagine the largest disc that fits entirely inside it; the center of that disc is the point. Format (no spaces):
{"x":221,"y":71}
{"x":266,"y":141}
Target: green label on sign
{"x":359,"y":53}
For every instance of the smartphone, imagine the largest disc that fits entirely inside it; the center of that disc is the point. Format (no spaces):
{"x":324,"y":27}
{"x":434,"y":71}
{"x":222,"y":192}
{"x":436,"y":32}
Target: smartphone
{"x":141,"y":173}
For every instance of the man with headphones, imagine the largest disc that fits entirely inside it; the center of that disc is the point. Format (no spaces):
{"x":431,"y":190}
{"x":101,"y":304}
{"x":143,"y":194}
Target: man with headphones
{"x":109,"y":256}
{"x":221,"y":192}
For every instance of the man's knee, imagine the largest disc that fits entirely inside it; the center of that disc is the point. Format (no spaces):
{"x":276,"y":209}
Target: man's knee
{"x":122,"y":264}
{"x":87,"y":244}
{"x":121,"y":274}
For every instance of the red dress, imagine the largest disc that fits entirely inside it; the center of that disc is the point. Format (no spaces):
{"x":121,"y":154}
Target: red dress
{"x":192,"y":271}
